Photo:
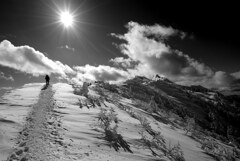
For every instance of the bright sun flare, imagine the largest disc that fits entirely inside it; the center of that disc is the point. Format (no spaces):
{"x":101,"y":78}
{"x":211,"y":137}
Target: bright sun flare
{"x":66,"y":19}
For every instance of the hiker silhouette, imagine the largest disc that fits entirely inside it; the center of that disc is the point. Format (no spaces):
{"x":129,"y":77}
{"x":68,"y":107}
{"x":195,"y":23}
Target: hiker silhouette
{"x":47,"y":78}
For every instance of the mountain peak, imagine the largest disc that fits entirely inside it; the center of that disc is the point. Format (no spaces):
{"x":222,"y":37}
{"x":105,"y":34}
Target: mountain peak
{"x":157,"y":77}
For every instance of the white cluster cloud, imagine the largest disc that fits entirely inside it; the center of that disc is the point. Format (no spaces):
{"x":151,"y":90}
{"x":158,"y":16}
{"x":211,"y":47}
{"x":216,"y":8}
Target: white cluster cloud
{"x":26,"y":59}
{"x":7,"y":78}
{"x":222,"y":79}
{"x":123,"y":62}
{"x":147,"y":45}
{"x":236,"y":75}
{"x":101,"y":72}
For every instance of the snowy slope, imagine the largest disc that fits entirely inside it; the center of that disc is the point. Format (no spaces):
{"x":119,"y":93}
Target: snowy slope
{"x":14,"y":108}
{"x":87,"y":138}
{"x":138,"y":120}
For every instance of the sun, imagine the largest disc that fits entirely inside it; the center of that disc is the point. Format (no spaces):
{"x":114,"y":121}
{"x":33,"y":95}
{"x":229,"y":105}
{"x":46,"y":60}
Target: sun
{"x":66,"y":19}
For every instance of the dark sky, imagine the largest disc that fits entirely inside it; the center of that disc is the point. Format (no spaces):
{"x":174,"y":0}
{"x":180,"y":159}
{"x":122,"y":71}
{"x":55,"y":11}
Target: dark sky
{"x":213,"y":28}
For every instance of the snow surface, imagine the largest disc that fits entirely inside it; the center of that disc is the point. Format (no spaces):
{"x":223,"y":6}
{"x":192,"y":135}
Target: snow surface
{"x":82,"y":137}
{"x":84,"y":133}
{"x":14,"y":107}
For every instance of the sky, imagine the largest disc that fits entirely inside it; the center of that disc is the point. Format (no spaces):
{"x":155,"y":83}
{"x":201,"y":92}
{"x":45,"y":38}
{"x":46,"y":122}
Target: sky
{"x":114,"y":40}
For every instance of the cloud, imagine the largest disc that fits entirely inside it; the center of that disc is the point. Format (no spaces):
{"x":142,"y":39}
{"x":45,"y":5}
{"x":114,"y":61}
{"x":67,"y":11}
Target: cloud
{"x":26,"y":59}
{"x":219,"y":79}
{"x":9,"y":78}
{"x":66,"y":47}
{"x":145,"y":52}
{"x":123,"y":62}
{"x":222,"y":79}
{"x":236,"y":75}
{"x":147,"y":45}
{"x":6,"y":88}
{"x":101,"y":72}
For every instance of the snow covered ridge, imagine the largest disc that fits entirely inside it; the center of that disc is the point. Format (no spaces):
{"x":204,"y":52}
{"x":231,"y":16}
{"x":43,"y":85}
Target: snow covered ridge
{"x":161,"y":78}
{"x":212,"y":111}
{"x":141,"y":119}
{"x":202,"y":112}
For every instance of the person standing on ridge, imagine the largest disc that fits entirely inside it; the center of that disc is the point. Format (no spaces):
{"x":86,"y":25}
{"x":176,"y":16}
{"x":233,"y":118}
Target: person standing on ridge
{"x":47,"y":78}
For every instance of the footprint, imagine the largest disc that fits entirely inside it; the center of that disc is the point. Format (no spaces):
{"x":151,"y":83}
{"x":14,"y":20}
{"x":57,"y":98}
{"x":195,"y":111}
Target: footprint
{"x":59,"y":142}
{"x":13,"y":157}
{"x":50,"y":122}
{"x":26,"y":149}
{"x":22,"y":144}
{"x":19,"y":152}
